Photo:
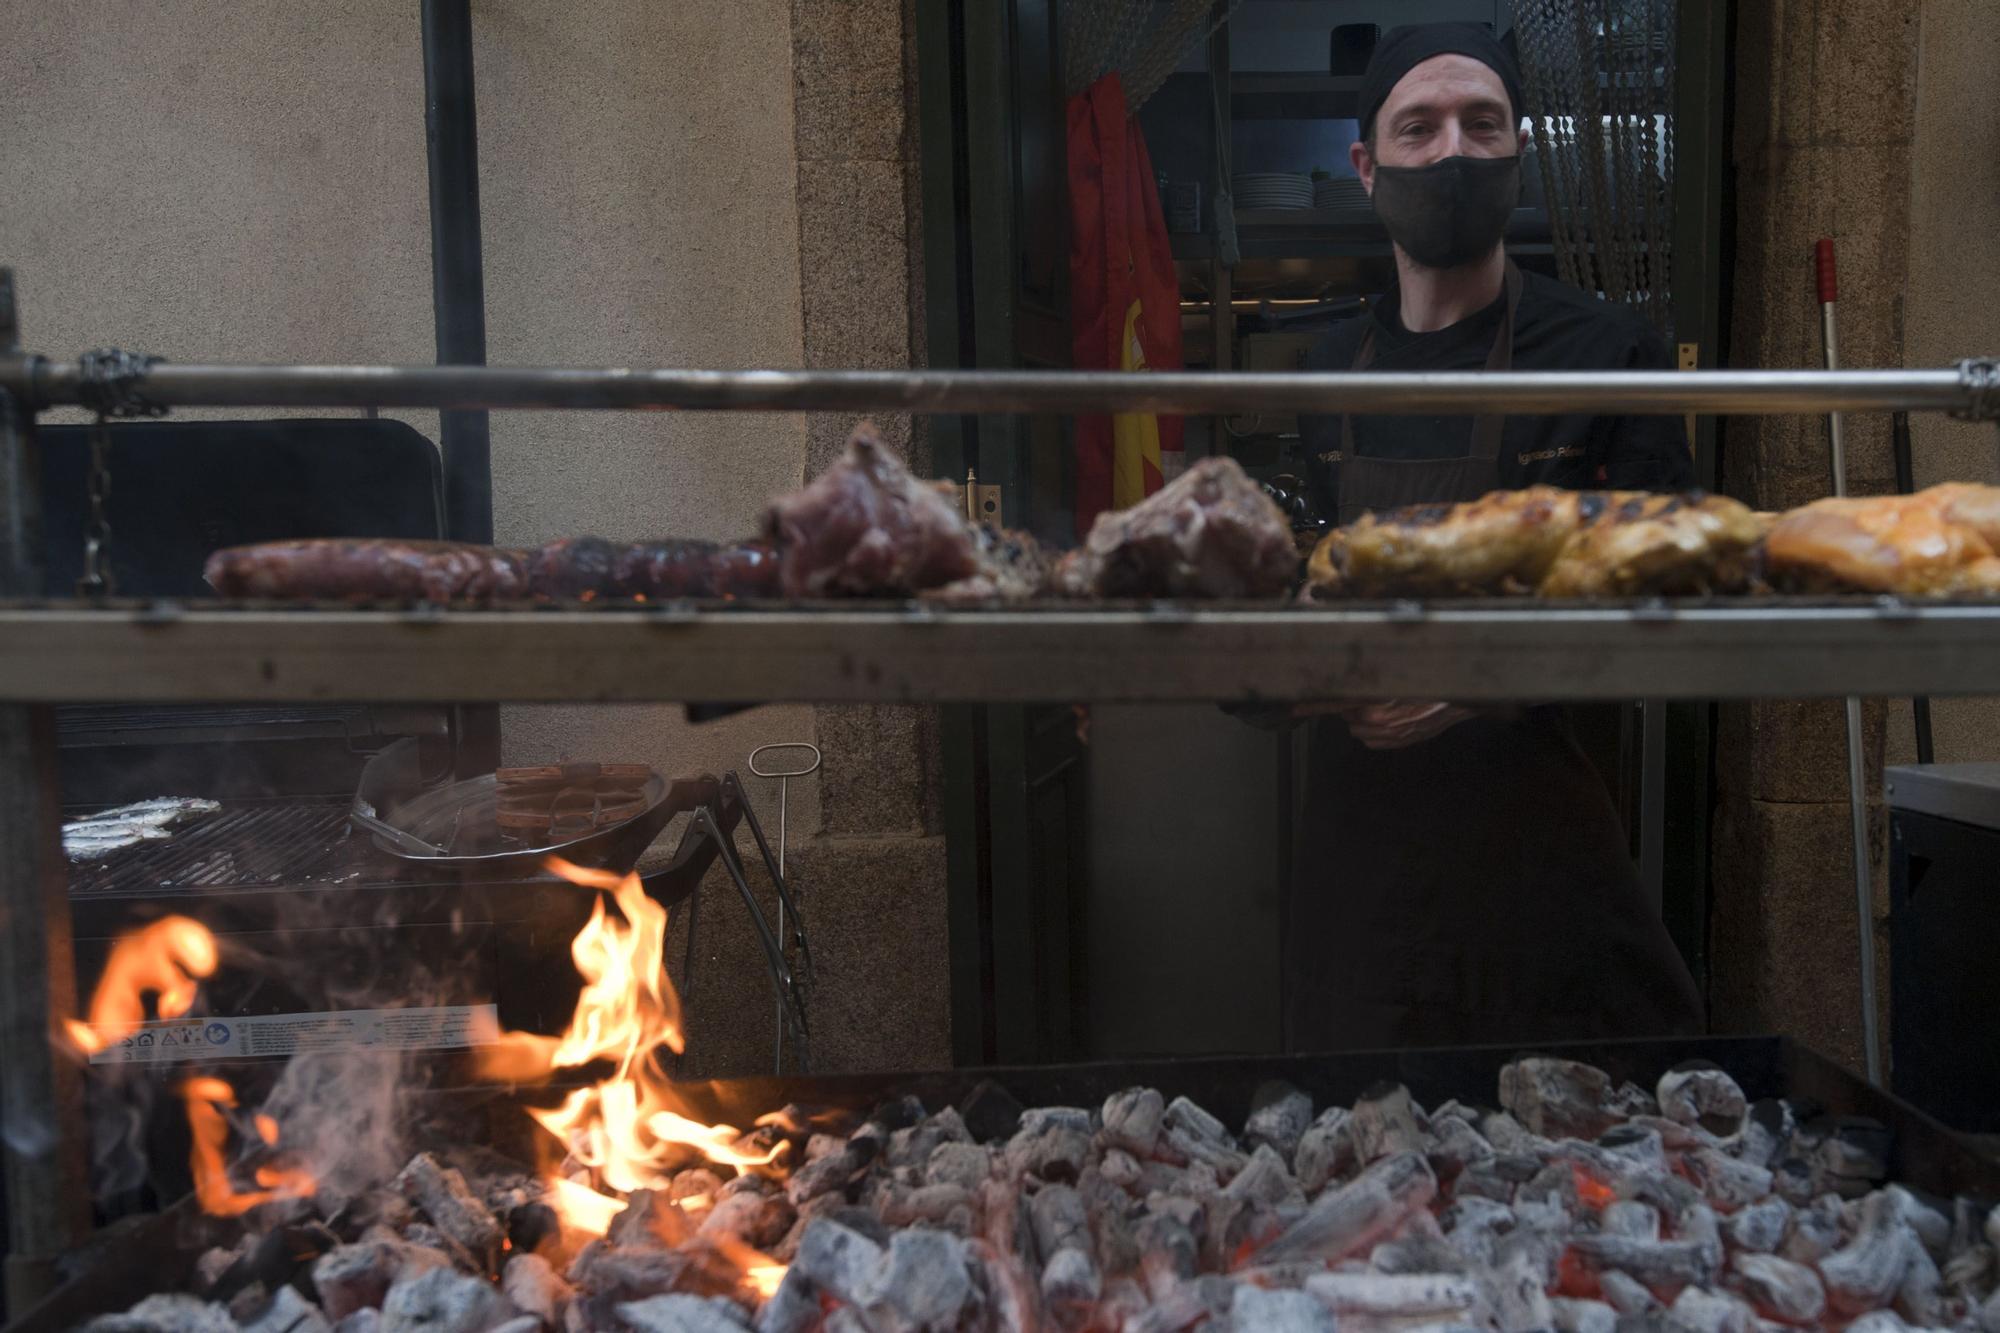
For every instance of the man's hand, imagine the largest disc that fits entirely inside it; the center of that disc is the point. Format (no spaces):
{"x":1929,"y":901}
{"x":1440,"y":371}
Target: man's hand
{"x":1399,"y":723}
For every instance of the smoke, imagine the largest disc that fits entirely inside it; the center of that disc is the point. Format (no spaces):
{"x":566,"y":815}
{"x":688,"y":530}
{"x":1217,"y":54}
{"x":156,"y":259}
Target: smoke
{"x":344,"y":1117}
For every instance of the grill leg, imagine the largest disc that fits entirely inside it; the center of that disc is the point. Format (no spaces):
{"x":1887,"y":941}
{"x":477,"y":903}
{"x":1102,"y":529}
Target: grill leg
{"x":41,"y":1092}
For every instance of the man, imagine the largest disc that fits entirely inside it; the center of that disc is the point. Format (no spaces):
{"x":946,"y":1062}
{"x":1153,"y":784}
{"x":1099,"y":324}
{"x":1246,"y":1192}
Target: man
{"x":1461,"y":874}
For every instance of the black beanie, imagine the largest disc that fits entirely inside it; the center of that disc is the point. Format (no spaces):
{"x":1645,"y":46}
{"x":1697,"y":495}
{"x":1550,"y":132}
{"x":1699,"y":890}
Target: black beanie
{"x":1403,"y":49}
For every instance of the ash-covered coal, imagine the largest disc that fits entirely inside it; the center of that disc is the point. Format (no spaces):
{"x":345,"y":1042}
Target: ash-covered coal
{"x":1577,"y":1205}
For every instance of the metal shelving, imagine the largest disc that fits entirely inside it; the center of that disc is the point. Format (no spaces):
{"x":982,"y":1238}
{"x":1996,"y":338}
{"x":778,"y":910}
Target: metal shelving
{"x":915,"y":653}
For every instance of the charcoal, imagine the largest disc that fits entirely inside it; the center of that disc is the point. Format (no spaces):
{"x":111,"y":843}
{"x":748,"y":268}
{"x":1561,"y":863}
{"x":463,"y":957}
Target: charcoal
{"x":1728,"y":1183}
{"x":1514,"y":1289}
{"x":1384,"y":1122}
{"x":683,"y":1314}
{"x":1279,"y":1116}
{"x":1472,"y":1223}
{"x":837,"y":1259}
{"x":276,"y":1257}
{"x":1759,"y":1228}
{"x":535,"y":1287}
{"x":1578,"y":1316}
{"x":1629,"y":1217}
{"x":166,"y":1314}
{"x":990,"y":1112}
{"x":793,"y":1308}
{"x":927,"y":1203}
{"x":526,"y":1323}
{"x":759,"y":1219}
{"x":823,"y":1175}
{"x":1878,"y":1321}
{"x":1379,"y":1294}
{"x":1167,"y":1245}
{"x":1324,"y":1150}
{"x":1071,"y":1279}
{"x":1508,"y":1135}
{"x":1657,"y":1263}
{"x":441,"y":1301}
{"x":1059,"y":1221}
{"x":1927,"y":1217}
{"x":1852,"y":1154}
{"x":694,"y":1183}
{"x":1049,"y":1149}
{"x":1920,"y":1295}
{"x":1486,"y":1179}
{"x":1254,"y":1310}
{"x":1626,"y":1294}
{"x":1866,"y":1272}
{"x":531,"y":1226}
{"x":1702,"y":1311}
{"x":1266,"y":1181}
{"x":365,"y":1320}
{"x":1794,"y":1181}
{"x":1192,"y":1119}
{"x":1638,"y":1144}
{"x":1780,"y":1288}
{"x":1121,"y":1169}
{"x":1629,"y":1099}
{"x":1133,"y":1119}
{"x":649,"y":1219}
{"x":1357,"y":1215}
{"x":962,"y":1164}
{"x":1698,"y":1093}
{"x":923,"y":1279}
{"x":1816,"y":1231}
{"x":627,"y":1275}
{"x":287,"y":1312}
{"x":215,"y":1262}
{"x":357,"y":1276}
{"x":1225,"y":1161}
{"x":913,"y":1146}
{"x":845,"y":1320}
{"x":1767,"y":1129}
{"x":1454,"y":1146}
{"x":441,"y":1193}
{"x":1556,"y":1098}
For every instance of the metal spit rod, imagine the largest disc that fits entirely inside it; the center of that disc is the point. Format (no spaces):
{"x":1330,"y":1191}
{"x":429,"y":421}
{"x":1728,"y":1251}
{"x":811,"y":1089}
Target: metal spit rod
{"x":1972,"y":388}
{"x":1857,"y":791}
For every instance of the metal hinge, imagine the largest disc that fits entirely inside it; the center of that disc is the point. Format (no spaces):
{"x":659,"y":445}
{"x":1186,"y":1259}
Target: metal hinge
{"x":979,"y":502}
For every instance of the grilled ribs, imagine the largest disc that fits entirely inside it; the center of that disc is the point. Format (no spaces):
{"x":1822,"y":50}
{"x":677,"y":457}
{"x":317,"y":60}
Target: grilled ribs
{"x":1936,"y":543}
{"x":1211,"y":532}
{"x":1544,"y":540}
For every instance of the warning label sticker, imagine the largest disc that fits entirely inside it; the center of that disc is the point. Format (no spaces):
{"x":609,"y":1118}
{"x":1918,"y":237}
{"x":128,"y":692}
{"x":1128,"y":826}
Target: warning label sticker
{"x":445,"y":1027}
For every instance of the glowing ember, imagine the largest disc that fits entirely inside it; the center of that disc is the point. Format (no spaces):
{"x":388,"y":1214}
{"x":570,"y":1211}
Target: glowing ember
{"x":168,"y":957}
{"x":207,"y":1100}
{"x":628,"y":1129}
{"x":761,"y":1273}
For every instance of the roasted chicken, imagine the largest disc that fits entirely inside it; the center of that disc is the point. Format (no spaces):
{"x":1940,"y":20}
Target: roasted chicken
{"x":1544,"y":540}
{"x":1938,"y":542}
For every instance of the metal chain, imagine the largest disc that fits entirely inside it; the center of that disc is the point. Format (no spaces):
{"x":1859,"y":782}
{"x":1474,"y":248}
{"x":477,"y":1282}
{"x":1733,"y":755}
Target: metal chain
{"x":109,"y":384}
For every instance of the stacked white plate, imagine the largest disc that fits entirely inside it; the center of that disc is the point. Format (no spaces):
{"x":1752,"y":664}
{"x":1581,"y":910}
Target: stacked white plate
{"x":1272,"y":189}
{"x":1339,"y":192}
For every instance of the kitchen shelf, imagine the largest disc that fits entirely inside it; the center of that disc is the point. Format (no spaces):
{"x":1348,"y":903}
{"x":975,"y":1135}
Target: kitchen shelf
{"x":1294,"y":96}
{"x":897,"y":652}
{"x":1318,"y":233}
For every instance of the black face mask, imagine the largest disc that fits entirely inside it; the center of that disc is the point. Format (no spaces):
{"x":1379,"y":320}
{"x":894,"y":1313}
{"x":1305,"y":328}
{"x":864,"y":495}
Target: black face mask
{"x":1450,"y":212}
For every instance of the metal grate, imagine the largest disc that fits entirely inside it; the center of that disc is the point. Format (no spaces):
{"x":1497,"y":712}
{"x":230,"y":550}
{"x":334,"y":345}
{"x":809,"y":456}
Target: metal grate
{"x":245,"y":845}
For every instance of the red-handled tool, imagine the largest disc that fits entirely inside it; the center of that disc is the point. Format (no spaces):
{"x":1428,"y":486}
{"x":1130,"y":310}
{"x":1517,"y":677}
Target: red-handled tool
{"x":1857,"y":794}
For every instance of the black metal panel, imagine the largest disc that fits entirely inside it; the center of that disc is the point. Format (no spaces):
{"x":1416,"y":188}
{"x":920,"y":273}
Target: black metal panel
{"x":1944,"y":901}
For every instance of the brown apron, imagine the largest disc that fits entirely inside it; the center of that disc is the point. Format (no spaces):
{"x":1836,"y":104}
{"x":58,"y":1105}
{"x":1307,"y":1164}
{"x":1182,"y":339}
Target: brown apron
{"x":1475,"y":887}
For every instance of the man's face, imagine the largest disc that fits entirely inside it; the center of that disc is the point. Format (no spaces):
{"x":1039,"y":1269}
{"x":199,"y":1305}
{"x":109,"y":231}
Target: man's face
{"x":1448,"y":106}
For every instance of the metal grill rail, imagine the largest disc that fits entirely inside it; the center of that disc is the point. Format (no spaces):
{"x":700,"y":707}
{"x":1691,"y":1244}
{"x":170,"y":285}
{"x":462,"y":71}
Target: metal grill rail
{"x":246,"y":845}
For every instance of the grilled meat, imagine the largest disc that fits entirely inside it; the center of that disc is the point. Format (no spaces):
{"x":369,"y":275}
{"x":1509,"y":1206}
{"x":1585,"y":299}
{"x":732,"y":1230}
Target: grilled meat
{"x":344,"y":569}
{"x":867,"y":528}
{"x":96,"y":836}
{"x":1211,"y":532}
{"x":1544,"y":540}
{"x":1938,"y":542}
{"x":1657,"y":545}
{"x":589,"y":568}
{"x":1013,"y":567}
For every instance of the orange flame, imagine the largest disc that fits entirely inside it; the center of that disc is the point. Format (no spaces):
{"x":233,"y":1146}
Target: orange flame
{"x":207,"y":1098}
{"x":628,"y":1129}
{"x":168,"y":957}
{"x":761,"y":1273}
{"x":1590,"y":1191}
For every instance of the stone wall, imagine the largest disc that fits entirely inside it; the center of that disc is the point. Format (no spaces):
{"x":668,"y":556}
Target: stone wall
{"x":1874,"y":122}
{"x":671,"y":184}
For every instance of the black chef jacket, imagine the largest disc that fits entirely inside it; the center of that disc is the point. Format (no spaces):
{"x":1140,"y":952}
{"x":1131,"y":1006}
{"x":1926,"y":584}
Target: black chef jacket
{"x":1477,"y":887}
{"x":1556,"y":328}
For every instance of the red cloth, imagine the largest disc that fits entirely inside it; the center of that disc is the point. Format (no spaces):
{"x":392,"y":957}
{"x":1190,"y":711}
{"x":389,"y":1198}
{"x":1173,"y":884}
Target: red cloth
{"x":1119,"y":255}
